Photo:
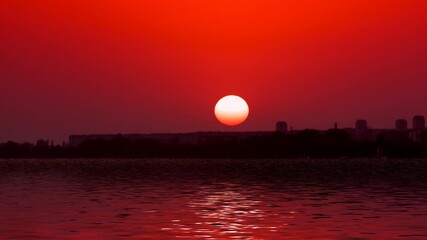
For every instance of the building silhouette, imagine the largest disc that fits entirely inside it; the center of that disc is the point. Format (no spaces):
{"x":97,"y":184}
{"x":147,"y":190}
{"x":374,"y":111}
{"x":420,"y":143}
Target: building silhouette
{"x":361,"y":125}
{"x":418,"y":123}
{"x":401,"y":125}
{"x":361,"y":130}
{"x":171,"y":138}
{"x":281,"y":127}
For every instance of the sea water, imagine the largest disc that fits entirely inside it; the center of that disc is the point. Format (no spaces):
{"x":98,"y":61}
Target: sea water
{"x":213,"y":199}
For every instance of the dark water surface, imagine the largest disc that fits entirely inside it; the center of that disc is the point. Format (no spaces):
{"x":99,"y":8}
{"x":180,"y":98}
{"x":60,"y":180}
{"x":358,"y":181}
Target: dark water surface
{"x":213,"y":199}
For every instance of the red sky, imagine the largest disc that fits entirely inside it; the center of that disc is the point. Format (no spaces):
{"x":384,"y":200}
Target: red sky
{"x":80,"y":67}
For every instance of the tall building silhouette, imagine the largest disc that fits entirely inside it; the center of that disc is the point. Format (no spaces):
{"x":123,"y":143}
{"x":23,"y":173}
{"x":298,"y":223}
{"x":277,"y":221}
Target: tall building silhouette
{"x":361,"y":125}
{"x":401,"y":125}
{"x":281,"y":126}
{"x":418,"y":123}
{"x":361,"y":129}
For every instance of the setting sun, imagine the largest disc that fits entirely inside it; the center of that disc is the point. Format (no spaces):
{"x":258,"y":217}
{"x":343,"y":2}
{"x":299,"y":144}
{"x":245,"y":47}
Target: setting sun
{"x":231,"y":110}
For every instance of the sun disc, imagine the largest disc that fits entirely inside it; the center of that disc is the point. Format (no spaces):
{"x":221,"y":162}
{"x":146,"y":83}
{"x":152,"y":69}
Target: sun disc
{"x":231,"y":110}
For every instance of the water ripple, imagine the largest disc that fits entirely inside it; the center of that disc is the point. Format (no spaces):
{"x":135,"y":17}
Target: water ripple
{"x":213,"y":199}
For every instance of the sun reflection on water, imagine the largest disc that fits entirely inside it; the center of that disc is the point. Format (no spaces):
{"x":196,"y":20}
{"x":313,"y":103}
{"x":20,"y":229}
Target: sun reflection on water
{"x":228,"y":213}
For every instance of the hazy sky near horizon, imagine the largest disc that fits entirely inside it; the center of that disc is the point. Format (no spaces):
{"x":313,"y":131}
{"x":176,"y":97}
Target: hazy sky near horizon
{"x":128,"y":66}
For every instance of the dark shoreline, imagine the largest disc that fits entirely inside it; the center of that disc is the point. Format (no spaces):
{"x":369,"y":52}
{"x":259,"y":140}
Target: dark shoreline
{"x":334,"y":143}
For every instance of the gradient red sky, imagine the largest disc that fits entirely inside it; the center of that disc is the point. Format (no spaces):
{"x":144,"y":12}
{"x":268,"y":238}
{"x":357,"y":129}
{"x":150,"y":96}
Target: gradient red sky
{"x":78,"y":66}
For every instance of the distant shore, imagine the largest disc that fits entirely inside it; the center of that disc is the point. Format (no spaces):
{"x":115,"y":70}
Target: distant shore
{"x":333,"y":143}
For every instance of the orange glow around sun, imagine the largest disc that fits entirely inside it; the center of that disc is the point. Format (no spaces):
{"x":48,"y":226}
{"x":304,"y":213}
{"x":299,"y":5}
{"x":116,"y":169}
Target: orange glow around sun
{"x":231,"y":110}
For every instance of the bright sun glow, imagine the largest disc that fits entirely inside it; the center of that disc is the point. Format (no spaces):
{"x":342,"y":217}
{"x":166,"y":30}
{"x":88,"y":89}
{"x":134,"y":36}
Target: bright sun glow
{"x":231,"y":110}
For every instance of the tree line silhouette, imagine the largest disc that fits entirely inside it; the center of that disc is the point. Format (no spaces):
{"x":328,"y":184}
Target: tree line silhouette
{"x":333,"y":143}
